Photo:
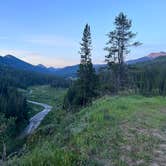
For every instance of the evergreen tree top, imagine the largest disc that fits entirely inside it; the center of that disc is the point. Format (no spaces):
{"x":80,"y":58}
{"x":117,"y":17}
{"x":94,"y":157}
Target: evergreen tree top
{"x":85,"y":50}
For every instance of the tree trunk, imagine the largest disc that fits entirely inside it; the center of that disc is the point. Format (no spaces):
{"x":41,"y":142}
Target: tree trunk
{"x":4,"y":152}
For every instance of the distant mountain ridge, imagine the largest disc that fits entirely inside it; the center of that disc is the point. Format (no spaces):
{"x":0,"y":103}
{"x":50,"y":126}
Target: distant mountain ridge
{"x":150,"y":57}
{"x":139,"y":60}
{"x":68,"y":71}
{"x":16,"y":63}
{"x":157,"y":54}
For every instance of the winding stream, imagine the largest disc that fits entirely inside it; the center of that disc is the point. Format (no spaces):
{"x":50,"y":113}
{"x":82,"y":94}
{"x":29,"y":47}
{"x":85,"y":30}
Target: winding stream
{"x":35,"y":121}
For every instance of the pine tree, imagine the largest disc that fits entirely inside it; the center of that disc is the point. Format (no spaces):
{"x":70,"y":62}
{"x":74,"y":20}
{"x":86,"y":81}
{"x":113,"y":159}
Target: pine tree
{"x":86,"y":73}
{"x":85,"y":88}
{"x":118,"y":45}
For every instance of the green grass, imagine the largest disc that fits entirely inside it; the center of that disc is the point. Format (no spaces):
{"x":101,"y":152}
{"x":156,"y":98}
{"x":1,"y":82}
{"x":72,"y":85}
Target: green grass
{"x":48,"y":95}
{"x":116,"y":131}
{"x":34,"y":109}
{"x":123,"y":126}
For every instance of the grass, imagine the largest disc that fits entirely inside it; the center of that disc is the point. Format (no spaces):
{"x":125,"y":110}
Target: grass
{"x":34,"y":109}
{"x":47,"y":94}
{"x":116,"y":131}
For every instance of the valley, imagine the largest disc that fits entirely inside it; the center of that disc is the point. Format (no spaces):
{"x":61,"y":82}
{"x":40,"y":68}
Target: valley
{"x":82,"y":83}
{"x":130,"y":129}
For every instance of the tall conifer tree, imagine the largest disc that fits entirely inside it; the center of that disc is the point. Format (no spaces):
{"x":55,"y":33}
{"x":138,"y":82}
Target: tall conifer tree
{"x":118,"y":45}
{"x":86,"y":73}
{"x":85,"y":88}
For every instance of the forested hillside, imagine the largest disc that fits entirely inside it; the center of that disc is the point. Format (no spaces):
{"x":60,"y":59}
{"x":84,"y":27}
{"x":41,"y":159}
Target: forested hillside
{"x":23,"y":78}
{"x":150,"y":77}
{"x":13,"y":118}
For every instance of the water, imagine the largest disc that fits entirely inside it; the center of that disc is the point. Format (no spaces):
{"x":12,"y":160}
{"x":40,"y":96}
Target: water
{"x":35,"y":121}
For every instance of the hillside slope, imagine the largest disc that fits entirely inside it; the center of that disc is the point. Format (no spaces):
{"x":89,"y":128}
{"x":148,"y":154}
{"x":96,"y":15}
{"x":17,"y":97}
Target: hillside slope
{"x":14,"y":72}
{"x":151,"y":57}
{"x":118,"y":130}
{"x":159,"y":62}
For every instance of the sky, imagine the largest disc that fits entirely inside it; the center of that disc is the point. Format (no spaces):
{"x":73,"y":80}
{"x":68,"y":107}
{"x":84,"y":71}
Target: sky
{"x":49,"y":31}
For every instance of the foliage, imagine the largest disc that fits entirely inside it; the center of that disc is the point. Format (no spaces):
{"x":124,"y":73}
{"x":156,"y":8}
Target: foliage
{"x":119,"y":42}
{"x":84,"y":89}
{"x":13,"y":105}
{"x":13,"y":117}
{"x":60,"y":82}
{"x":149,"y":78}
{"x":47,"y":94}
{"x":24,"y":78}
{"x":6,"y":127}
{"x":33,"y":109}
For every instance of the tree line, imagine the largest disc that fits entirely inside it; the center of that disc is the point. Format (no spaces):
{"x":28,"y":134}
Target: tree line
{"x":23,"y":79}
{"x":149,"y":78}
{"x":13,"y":116}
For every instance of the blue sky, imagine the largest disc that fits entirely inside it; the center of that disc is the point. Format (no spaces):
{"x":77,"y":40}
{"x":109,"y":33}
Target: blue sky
{"x":49,"y":31}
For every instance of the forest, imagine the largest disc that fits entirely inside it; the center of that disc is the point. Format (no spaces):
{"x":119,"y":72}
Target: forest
{"x":115,"y":78}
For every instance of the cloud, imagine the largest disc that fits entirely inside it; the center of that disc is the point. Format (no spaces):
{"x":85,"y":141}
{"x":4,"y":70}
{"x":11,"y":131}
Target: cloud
{"x":53,"y":41}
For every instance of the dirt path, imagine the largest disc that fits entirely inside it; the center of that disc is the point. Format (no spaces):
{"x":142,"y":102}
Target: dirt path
{"x":160,"y":151}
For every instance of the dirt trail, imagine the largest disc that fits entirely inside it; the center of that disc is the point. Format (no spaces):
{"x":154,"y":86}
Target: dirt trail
{"x":160,"y":152}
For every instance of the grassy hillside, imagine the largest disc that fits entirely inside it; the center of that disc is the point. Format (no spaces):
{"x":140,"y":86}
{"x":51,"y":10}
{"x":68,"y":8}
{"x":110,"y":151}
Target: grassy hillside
{"x":120,"y":131}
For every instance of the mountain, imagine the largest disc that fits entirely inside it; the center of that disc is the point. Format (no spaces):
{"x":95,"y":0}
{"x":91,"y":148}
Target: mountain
{"x":69,"y":71}
{"x":12,"y":61}
{"x":157,"y":62}
{"x":139,"y":60}
{"x":41,"y":66}
{"x":157,"y":54}
{"x":17,"y":73}
{"x":150,"y":57}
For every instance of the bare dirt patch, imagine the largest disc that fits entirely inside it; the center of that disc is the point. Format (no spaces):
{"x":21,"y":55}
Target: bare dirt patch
{"x":159,"y":153}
